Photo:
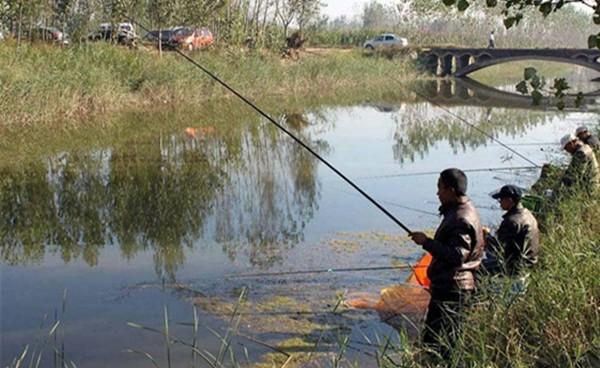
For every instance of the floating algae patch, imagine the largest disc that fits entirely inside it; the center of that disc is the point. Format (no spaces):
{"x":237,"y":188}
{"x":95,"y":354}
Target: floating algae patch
{"x":295,"y":353}
{"x":342,"y":245}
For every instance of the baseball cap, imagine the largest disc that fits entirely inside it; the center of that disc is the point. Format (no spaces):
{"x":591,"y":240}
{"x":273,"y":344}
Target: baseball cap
{"x":511,"y":191}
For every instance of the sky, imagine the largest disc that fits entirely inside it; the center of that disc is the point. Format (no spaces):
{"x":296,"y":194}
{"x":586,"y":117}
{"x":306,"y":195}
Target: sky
{"x":349,"y":8}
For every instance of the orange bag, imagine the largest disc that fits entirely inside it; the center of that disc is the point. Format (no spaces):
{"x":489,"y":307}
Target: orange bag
{"x":419,"y":275}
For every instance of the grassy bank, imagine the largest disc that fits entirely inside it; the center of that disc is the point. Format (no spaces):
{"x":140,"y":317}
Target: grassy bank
{"x":45,"y":85}
{"x":556,"y":323}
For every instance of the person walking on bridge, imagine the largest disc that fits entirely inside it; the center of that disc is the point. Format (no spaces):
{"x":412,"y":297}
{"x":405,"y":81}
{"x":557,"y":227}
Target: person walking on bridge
{"x":588,"y":138}
{"x":491,"y":40}
{"x":518,"y":234}
{"x":457,"y":251}
{"x":583,"y":173}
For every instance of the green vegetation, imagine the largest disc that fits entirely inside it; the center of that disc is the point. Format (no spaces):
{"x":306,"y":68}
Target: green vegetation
{"x":45,"y":85}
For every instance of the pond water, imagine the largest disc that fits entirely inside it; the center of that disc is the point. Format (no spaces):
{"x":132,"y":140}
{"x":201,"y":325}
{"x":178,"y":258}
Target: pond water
{"x":101,"y":227}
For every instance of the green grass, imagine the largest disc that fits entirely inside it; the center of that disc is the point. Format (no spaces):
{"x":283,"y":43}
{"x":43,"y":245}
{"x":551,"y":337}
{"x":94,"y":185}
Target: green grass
{"x":44,"y":85}
{"x":556,"y":323}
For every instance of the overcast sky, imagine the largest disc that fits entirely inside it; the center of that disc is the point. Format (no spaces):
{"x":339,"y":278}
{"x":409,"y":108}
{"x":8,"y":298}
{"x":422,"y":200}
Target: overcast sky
{"x":350,"y":8}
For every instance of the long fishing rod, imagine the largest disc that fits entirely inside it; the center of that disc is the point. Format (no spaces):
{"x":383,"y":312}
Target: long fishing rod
{"x":323,"y":270}
{"x":424,"y":173}
{"x":460,"y":118}
{"x":283,"y":129}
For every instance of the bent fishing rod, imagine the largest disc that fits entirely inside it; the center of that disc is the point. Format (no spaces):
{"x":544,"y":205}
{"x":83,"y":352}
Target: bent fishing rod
{"x":280,"y":127}
{"x":463,"y":120}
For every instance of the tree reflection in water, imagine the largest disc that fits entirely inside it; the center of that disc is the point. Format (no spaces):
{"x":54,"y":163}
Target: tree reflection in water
{"x":158,"y":193}
{"x":419,"y":126}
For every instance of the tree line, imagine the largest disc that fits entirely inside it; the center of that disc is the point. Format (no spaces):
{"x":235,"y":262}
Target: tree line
{"x":266,"y":23}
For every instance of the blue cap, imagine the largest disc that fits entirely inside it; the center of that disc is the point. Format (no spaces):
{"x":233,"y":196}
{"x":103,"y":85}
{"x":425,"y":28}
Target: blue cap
{"x":510,"y":191}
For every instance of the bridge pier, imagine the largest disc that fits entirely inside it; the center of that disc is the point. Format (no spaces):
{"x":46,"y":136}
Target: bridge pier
{"x":463,"y":61}
{"x":447,"y":61}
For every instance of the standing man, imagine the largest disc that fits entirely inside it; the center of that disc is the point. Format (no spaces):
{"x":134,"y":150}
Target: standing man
{"x":583,"y":173}
{"x":457,"y":250}
{"x":518,"y":233}
{"x":588,"y":138}
{"x":491,"y":40}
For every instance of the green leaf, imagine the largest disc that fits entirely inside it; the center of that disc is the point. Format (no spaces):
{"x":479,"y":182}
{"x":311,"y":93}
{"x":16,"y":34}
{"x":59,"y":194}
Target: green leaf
{"x":449,"y":2}
{"x":546,"y":8}
{"x":529,"y":73}
{"x":560,"y":85}
{"x":596,"y":19}
{"x":560,"y":104}
{"x":491,"y":3}
{"x":462,"y":5}
{"x":522,"y":87}
{"x":592,"y":40}
{"x":509,"y":22}
{"x":537,"y":97}
{"x":536,"y":82}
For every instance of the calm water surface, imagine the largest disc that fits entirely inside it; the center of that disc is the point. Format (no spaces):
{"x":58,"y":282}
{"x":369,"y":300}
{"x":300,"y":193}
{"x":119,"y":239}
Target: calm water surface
{"x":137,"y":219}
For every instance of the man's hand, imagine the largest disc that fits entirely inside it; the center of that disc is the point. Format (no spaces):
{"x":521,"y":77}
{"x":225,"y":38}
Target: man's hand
{"x":419,"y":238}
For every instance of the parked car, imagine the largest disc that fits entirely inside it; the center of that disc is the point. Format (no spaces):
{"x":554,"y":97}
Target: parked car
{"x":49,"y":34}
{"x":188,"y":38}
{"x":386,"y":40}
{"x":125,"y":34}
{"x":192,"y":38}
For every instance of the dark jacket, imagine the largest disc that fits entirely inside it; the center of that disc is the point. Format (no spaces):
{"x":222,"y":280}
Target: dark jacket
{"x":520,"y":238}
{"x":457,"y":247}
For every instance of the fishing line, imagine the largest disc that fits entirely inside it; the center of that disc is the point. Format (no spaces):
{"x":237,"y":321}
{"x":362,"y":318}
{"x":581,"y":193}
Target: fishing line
{"x":323,"y":270}
{"x":283,"y":129}
{"x":424,"y":173}
{"x":460,"y":118}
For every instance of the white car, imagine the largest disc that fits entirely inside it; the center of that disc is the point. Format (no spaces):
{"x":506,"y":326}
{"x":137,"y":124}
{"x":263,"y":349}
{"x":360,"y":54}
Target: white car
{"x":386,"y":40}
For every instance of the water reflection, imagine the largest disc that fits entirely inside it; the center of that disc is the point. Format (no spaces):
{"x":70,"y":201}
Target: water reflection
{"x":239,"y":183}
{"x":158,"y":194}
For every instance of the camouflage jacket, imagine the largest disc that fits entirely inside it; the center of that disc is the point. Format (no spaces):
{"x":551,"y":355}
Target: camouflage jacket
{"x":583,"y":172}
{"x":457,"y":247}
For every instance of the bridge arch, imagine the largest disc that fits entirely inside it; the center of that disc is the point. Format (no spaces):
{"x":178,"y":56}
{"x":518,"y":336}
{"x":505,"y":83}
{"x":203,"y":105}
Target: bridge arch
{"x":485,"y":60}
{"x":462,"y":61}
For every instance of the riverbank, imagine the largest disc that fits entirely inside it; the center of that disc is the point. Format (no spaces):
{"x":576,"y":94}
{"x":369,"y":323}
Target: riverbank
{"x":556,"y":322}
{"x":44,"y":85}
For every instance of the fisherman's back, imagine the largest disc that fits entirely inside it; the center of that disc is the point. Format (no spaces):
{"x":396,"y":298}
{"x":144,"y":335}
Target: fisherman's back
{"x":583,"y":172}
{"x":457,"y":248}
{"x":520,"y":237}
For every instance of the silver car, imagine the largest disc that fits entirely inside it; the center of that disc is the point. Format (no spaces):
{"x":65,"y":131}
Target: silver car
{"x":386,"y":40}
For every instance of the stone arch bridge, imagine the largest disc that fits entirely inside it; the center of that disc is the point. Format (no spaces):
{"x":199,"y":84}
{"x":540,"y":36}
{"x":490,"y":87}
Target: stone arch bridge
{"x":459,"y":62}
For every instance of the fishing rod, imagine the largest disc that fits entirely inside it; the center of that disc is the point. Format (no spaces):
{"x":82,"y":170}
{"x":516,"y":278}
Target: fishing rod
{"x":323,"y":270}
{"x":424,"y":173}
{"x":282,"y":128}
{"x":460,"y":118}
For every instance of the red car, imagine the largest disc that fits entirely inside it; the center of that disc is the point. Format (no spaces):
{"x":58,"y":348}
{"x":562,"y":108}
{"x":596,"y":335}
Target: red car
{"x":191,"y":38}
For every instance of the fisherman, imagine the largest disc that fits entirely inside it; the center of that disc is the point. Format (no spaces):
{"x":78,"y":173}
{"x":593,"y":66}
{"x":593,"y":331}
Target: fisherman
{"x":583,"y":172}
{"x":588,"y":138}
{"x":457,"y":250}
{"x":518,"y":234}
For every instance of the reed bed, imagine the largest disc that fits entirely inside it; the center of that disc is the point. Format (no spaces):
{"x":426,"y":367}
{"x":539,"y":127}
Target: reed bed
{"x":45,"y":85}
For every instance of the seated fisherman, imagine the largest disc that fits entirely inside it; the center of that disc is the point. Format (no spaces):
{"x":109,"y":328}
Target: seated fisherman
{"x":518,"y":235}
{"x":588,"y":138}
{"x":582,"y":173}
